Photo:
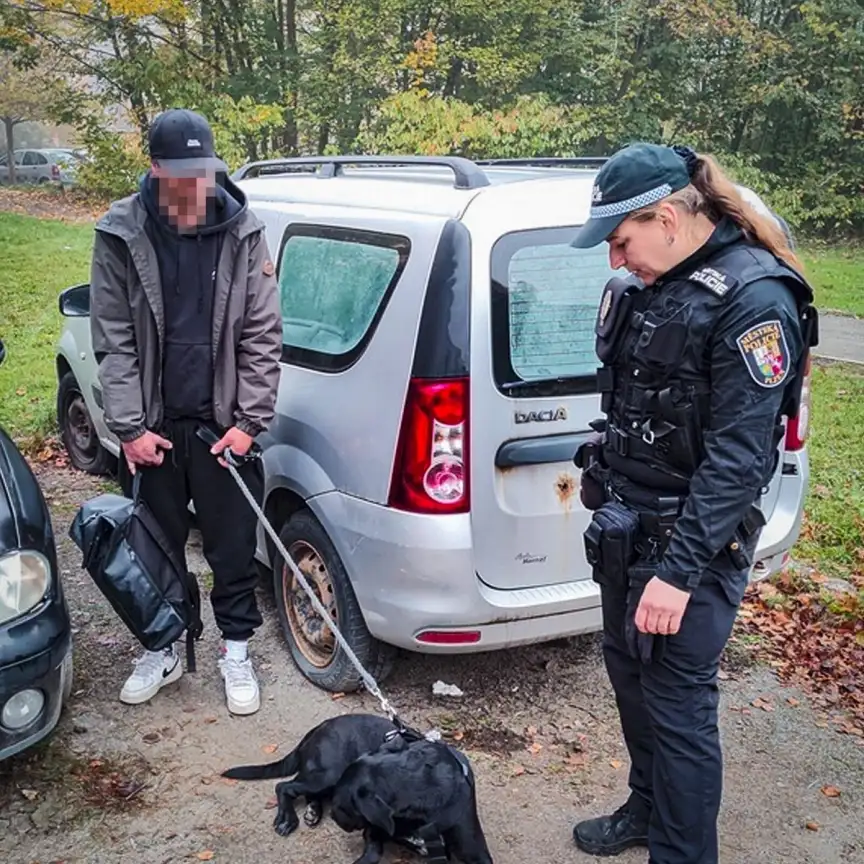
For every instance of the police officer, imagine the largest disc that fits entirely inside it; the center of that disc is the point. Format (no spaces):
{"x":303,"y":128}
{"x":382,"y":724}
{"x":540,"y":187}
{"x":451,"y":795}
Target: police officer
{"x":703,"y":349}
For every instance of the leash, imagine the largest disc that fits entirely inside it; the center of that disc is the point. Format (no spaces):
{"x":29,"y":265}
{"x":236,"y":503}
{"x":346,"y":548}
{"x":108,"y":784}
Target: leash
{"x":234,"y":462}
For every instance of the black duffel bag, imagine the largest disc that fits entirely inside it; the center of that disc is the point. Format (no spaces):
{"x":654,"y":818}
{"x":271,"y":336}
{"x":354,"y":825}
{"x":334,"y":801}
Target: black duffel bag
{"x":130,"y":558}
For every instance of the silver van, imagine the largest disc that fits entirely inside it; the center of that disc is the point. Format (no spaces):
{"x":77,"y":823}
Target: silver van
{"x":438,"y":377}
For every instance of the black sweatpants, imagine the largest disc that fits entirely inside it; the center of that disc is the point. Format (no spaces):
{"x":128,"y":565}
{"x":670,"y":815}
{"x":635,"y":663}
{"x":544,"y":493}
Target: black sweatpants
{"x":226,"y":521}
{"x":668,"y":713}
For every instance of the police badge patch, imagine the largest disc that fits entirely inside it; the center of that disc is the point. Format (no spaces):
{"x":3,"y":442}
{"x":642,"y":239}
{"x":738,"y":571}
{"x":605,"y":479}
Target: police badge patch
{"x":766,"y":353}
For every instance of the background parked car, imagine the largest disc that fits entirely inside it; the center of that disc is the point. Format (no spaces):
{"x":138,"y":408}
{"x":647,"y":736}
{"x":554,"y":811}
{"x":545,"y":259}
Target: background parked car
{"x":35,"y":630}
{"x":48,"y":165}
{"x":439,"y":373}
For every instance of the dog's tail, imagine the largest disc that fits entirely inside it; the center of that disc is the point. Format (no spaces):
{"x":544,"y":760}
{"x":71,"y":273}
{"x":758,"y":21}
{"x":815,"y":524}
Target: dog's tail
{"x":282,"y":768}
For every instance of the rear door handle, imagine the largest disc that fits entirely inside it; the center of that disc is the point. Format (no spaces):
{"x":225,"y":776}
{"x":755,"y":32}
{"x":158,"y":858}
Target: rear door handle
{"x":541,"y":451}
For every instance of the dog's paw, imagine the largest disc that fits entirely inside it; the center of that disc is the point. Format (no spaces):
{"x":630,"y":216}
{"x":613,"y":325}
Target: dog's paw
{"x":284,"y":826}
{"x":313,"y":813}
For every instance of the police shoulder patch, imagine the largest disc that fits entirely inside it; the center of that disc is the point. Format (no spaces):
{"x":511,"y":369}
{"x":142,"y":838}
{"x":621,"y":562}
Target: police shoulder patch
{"x":716,"y":281}
{"x":765,"y":353}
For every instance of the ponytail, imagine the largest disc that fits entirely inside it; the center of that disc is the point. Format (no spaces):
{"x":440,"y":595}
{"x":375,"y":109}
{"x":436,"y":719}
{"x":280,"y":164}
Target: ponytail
{"x":711,"y":192}
{"x":723,"y":198}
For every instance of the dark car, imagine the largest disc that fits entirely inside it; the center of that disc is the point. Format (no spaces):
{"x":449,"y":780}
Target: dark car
{"x":35,"y":630}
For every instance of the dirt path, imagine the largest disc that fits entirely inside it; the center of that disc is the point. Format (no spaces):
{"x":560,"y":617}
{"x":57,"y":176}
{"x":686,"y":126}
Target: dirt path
{"x":118,"y":783}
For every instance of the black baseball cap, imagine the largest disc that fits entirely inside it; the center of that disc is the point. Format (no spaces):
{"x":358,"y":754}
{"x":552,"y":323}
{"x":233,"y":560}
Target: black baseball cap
{"x":635,"y":177}
{"x":181,"y":142}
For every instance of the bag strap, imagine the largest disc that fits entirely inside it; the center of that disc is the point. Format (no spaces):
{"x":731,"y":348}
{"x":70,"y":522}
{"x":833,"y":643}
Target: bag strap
{"x":136,"y":484}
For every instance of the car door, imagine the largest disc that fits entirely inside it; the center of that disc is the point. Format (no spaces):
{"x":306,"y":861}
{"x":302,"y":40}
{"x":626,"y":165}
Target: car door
{"x":533,"y":374}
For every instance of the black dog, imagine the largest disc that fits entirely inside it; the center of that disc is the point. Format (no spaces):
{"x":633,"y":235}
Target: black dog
{"x":318,"y":762}
{"x":410,"y":789}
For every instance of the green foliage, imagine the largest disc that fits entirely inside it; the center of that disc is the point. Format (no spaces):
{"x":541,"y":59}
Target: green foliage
{"x":116,"y":163}
{"x":772,"y":87}
{"x":413,"y":122}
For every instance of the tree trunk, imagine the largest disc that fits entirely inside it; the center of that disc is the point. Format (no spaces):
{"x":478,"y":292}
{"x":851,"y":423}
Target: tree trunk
{"x":9,"y":124}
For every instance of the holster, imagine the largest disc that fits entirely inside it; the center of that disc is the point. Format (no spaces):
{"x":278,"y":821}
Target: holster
{"x":610,"y":543}
{"x":592,"y":485}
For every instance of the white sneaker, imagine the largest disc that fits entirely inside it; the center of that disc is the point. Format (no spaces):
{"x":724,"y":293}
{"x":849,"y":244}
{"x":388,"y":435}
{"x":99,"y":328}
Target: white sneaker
{"x":241,"y":685}
{"x":152,"y":672}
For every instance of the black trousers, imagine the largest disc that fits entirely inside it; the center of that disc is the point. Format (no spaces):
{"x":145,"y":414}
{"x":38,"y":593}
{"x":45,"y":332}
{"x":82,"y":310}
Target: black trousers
{"x":668,"y":711}
{"x":226,"y":521}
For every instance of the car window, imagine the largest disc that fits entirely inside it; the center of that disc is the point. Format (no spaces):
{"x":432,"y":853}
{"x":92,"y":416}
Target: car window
{"x":334,"y":284}
{"x":30,"y":158}
{"x":545,"y":295}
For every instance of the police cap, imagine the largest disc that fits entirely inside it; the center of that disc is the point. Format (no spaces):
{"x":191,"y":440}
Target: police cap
{"x":635,"y":177}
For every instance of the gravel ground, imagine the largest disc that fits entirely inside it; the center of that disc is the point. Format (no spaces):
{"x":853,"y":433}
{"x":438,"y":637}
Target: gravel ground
{"x":119,"y":783}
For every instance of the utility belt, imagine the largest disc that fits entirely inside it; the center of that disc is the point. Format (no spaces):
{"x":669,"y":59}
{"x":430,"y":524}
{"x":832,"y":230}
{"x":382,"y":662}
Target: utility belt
{"x":630,"y":522}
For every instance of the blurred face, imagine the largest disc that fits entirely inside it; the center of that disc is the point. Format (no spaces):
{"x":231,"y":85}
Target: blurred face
{"x":183,"y":198}
{"x":643,"y":248}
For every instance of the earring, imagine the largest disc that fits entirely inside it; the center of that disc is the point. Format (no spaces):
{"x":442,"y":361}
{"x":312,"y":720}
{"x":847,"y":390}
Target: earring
{"x":670,"y":240}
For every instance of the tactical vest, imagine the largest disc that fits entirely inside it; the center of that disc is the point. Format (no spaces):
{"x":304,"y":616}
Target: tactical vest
{"x":655,"y":345}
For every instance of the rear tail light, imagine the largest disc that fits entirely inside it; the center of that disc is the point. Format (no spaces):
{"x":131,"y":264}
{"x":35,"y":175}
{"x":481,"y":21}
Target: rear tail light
{"x":430,"y":474}
{"x":55,"y":172}
{"x":798,"y":426}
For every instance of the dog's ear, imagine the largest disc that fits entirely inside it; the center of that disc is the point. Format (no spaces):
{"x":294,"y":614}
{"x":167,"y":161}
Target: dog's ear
{"x":375,"y":810}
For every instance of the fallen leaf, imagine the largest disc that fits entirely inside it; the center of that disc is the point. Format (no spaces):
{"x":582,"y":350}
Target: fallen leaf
{"x":95,"y":763}
{"x":458,"y":736}
{"x":271,"y":803}
{"x":723,"y":675}
{"x":270,"y":748}
{"x":616,"y":763}
{"x":21,"y":391}
{"x":150,"y":737}
{"x":30,"y":794}
{"x":830,"y":791}
{"x":531,"y":731}
{"x":534,"y":748}
{"x":210,"y":719}
{"x":793,"y":702}
{"x":518,"y":771}
{"x":228,"y":781}
{"x":336,"y":696}
{"x":206,"y":855}
{"x":812,"y":826}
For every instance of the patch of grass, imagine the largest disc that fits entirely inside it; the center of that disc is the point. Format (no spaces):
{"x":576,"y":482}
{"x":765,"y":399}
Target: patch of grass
{"x":38,"y":258}
{"x":837,"y":275}
{"x":834,"y":513}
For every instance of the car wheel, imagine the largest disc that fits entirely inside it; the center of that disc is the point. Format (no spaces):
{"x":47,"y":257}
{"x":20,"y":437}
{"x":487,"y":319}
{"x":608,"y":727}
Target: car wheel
{"x":314,"y":649}
{"x":78,"y":431}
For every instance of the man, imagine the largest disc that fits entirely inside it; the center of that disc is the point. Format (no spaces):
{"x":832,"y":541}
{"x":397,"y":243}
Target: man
{"x":187,"y":331}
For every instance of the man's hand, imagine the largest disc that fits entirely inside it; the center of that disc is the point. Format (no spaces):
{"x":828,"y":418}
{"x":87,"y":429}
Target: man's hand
{"x":145,"y":450}
{"x":661,"y":608}
{"x":236,"y":439}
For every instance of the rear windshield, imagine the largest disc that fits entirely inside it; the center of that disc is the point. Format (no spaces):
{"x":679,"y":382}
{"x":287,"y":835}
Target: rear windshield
{"x":544,"y":303}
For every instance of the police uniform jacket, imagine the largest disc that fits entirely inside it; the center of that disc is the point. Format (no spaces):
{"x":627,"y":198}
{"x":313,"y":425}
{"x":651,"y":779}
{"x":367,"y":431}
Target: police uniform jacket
{"x":698,"y":369}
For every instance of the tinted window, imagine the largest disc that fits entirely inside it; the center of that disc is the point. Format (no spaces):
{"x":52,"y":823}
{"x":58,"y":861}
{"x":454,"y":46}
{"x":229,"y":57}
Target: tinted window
{"x":334,"y":285}
{"x":544,"y":304}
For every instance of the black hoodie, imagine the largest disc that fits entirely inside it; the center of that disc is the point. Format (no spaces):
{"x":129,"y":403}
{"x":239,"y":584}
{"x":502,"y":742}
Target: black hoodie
{"x":188,"y":262}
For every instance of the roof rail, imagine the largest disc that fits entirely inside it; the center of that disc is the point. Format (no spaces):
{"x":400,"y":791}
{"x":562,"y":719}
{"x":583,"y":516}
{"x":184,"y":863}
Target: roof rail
{"x":548,"y":161}
{"x":467,"y":174}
